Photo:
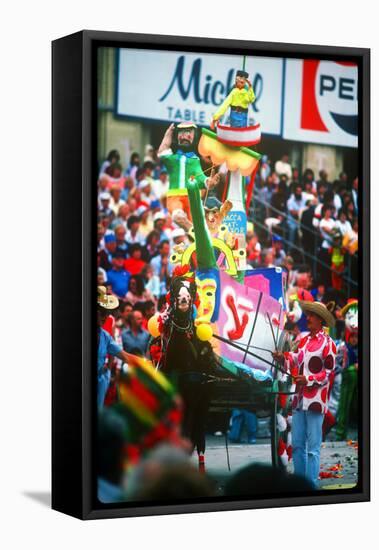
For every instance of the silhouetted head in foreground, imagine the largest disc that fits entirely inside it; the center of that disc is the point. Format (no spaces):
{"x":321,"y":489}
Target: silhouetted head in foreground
{"x":261,"y":480}
{"x":112,"y":437}
{"x":180,"y":482}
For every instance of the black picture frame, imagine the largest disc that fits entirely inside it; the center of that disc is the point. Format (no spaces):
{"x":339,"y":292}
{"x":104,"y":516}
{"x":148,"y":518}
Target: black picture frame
{"x":74,"y":290}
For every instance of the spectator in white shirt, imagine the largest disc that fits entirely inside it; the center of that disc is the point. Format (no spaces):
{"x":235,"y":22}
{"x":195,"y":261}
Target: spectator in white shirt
{"x":327,"y":224}
{"x":133,"y":234}
{"x":116,"y":201}
{"x":147,"y":194}
{"x":295,"y":205}
{"x":343,"y":223}
{"x":160,"y":186}
{"x":283,"y":167}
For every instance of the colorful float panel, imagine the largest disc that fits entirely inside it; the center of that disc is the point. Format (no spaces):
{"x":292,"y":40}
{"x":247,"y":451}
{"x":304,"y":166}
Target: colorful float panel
{"x":251,"y":319}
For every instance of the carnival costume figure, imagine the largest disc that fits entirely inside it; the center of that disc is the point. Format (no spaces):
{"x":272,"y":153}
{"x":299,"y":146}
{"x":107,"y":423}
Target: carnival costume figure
{"x":178,"y":153}
{"x":238,"y":100}
{"x":348,"y":353}
{"x":311,"y":367}
{"x":184,"y":358}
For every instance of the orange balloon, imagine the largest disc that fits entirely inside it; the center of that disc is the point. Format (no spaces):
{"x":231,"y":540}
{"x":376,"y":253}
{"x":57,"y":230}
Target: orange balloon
{"x":153,"y":326}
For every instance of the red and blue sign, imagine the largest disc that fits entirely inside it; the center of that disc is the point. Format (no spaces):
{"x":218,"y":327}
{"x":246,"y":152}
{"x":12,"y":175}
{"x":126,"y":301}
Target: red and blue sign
{"x":321,"y":102}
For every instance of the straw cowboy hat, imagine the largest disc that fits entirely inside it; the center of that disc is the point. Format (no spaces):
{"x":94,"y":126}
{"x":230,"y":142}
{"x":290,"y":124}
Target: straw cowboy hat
{"x":104,"y":300}
{"x":322,"y":310}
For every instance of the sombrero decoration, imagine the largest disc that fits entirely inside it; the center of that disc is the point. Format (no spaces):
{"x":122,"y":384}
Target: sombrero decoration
{"x":320,"y":309}
{"x":350,"y":303}
{"x":104,"y":300}
{"x":236,"y":158}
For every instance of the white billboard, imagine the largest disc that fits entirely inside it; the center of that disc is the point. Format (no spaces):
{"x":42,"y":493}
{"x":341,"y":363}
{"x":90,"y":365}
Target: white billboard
{"x":177,"y":86}
{"x":303,"y":100}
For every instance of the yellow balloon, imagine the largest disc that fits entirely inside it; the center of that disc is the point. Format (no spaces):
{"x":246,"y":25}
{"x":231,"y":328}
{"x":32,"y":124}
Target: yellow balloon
{"x":204,"y":332}
{"x":153,"y":326}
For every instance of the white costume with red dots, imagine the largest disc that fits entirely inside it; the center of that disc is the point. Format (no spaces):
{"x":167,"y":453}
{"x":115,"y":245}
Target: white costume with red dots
{"x":314,"y":359}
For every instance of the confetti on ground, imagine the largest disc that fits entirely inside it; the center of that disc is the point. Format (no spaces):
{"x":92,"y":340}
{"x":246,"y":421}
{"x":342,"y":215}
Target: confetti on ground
{"x":328,"y":475}
{"x":336,"y":467}
{"x":332,"y":472}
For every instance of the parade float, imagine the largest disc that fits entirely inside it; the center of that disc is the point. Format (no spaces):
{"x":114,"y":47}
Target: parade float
{"x":218,"y":307}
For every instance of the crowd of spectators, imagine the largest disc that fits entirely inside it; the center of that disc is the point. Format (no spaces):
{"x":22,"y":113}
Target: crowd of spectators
{"x":295,"y":221}
{"x":307,"y":226}
{"x":304,"y":223}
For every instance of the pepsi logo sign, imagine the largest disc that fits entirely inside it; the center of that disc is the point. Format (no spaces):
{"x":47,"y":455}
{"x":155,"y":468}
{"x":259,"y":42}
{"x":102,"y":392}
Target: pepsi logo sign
{"x":329,"y":100}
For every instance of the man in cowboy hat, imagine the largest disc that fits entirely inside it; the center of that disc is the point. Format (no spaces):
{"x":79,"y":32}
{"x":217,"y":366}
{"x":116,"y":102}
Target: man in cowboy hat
{"x":311,"y":368}
{"x":178,"y":152}
{"x":105,"y":343}
{"x":238,"y":100}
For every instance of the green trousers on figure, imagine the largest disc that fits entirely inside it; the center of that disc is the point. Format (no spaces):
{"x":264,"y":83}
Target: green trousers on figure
{"x":348,"y":387}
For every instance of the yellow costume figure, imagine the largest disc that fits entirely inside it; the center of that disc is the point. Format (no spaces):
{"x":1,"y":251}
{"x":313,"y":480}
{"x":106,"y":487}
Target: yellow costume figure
{"x":238,"y":100}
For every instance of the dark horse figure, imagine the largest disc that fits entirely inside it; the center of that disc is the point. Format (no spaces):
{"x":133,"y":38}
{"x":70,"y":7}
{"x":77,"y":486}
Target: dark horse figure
{"x":187,"y":361}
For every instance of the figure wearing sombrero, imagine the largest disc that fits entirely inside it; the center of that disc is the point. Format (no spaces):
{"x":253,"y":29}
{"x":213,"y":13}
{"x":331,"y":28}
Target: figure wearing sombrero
{"x":311,"y":367}
{"x":348,"y":355}
{"x":178,"y":153}
{"x":106,"y":303}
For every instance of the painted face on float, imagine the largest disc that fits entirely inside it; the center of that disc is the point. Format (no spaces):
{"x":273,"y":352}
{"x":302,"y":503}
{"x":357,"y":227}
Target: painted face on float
{"x":213,"y":219}
{"x":183,"y":300}
{"x":351,"y":319}
{"x":206,"y":289}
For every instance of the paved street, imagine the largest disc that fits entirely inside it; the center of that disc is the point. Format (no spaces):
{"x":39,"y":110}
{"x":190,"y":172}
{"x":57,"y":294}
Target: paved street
{"x":337,"y":458}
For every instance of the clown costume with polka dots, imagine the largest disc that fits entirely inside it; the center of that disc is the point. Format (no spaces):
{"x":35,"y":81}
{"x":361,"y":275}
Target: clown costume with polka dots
{"x":314,"y":359}
{"x":312,"y":370}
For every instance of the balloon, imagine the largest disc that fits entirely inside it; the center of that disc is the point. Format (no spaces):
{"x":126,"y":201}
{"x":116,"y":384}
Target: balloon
{"x":153,"y":326}
{"x":204,"y":332}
